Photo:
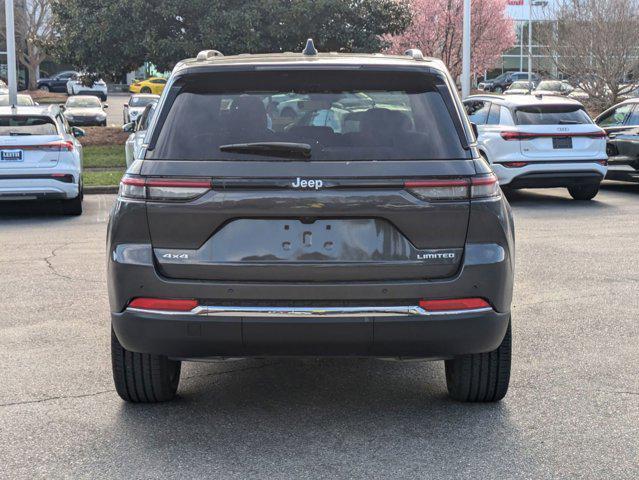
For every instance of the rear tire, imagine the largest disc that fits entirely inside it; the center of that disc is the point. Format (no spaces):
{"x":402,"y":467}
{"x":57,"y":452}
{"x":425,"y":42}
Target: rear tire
{"x":145,"y":90}
{"x":44,"y":88}
{"x":143,"y":377}
{"x":498,"y":90}
{"x":584,"y":192}
{"x":481,"y":377}
{"x":74,"y":205}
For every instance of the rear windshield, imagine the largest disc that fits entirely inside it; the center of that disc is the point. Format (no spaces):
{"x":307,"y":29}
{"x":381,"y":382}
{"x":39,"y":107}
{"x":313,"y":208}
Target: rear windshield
{"x":27,"y":125}
{"x":551,"y":115}
{"x":83,"y":102}
{"x":341,"y":115}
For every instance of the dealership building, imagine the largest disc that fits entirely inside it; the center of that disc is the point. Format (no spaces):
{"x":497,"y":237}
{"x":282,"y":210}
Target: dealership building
{"x":523,"y":13}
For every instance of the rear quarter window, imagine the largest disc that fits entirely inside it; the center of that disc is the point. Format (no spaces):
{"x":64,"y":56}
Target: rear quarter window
{"x":345,"y":115}
{"x":27,"y":125}
{"x":551,"y":115}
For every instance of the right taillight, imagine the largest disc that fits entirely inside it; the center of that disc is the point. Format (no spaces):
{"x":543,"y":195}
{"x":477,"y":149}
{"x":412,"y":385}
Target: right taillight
{"x":454,"y":189}
{"x":163,"y":188}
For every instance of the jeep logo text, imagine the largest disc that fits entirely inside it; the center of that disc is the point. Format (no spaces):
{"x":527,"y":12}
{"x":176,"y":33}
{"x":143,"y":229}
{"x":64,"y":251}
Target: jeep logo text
{"x":303,"y":183}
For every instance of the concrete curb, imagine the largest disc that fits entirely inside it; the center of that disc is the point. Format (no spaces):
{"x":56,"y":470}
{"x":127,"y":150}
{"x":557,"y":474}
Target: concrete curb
{"x":101,"y":189}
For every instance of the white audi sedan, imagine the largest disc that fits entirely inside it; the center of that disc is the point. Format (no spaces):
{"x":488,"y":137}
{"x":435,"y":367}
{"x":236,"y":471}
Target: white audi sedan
{"x":536,"y":141}
{"x":40,"y":157}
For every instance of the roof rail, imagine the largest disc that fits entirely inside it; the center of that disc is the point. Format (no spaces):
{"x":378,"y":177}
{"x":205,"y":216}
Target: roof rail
{"x":415,"y":54}
{"x":206,"y":54}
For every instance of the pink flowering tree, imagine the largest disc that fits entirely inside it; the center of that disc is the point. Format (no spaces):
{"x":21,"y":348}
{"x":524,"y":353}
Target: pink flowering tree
{"x":437,"y":31}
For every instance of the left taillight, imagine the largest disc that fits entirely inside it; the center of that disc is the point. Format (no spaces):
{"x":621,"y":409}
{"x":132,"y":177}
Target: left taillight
{"x":163,"y":188}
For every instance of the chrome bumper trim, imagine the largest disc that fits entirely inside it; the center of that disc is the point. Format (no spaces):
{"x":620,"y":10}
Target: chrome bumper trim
{"x":311,"y":312}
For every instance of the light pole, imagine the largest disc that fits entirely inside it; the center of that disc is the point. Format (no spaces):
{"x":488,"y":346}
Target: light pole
{"x":465,"y":80}
{"x":11,"y":53}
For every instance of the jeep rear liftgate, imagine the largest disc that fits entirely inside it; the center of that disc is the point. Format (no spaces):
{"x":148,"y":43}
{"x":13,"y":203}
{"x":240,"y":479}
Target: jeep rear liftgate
{"x":333,"y":229}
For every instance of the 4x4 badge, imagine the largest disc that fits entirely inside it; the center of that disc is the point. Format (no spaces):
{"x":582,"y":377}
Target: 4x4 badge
{"x":176,"y":256}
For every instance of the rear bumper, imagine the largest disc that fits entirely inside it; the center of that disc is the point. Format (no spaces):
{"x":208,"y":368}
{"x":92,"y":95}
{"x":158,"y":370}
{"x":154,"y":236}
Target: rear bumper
{"x":551,"y":174}
{"x":193,"y":336}
{"x":37,"y":188}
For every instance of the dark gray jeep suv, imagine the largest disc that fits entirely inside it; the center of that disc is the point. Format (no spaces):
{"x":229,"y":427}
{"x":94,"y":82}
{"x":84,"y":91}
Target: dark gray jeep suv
{"x":363,"y":222}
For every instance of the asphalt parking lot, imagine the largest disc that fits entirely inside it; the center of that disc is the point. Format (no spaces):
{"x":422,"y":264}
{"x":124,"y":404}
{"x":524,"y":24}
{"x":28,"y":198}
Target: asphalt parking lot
{"x":572,"y":410}
{"x":116,"y":102}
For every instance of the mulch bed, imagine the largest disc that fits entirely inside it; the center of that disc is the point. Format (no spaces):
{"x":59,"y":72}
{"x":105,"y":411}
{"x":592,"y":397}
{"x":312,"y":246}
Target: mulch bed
{"x":104,"y":136}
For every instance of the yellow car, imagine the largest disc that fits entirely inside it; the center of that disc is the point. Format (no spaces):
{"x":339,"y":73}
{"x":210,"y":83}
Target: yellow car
{"x":153,"y":85}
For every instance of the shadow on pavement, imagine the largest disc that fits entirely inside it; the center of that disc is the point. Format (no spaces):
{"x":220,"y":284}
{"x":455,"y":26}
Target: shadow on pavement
{"x":311,"y":411}
{"x":13,"y":210}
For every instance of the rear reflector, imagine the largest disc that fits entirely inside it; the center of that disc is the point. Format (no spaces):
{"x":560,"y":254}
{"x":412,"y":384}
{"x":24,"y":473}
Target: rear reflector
{"x":509,"y":135}
{"x":163,"y":188}
{"x":453,"y":304}
{"x":166,"y":304}
{"x":514,"y":164}
{"x":454,"y":189}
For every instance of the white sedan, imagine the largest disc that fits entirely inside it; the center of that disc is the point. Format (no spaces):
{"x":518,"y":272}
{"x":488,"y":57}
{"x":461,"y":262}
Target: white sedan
{"x":77,"y":85}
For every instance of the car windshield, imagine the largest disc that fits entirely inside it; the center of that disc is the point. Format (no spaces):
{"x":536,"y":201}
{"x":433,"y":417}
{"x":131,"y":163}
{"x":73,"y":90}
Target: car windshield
{"x":550,"y":85}
{"x":83,"y":102}
{"x":347,"y":116}
{"x":551,"y":115}
{"x":141,"y":101}
{"x":23,"y":100}
{"x":26,"y":125}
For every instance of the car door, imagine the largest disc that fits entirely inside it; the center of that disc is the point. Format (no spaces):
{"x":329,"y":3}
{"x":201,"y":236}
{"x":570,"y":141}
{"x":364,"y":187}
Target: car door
{"x":621,"y":123}
{"x":59,"y":83}
{"x":157,"y":85}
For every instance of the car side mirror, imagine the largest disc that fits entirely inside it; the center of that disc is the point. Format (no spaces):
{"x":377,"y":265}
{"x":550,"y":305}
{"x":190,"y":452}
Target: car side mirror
{"x":128,"y":127}
{"x":473,"y":125}
{"x":106,"y":105}
{"x":78,"y":132}
{"x":126,"y":105}
{"x":62,"y":107}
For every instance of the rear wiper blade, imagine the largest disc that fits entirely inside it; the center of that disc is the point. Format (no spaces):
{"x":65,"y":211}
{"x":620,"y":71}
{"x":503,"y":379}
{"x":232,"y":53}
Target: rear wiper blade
{"x":273,"y":149}
{"x":568,"y":122}
{"x":19,"y":134}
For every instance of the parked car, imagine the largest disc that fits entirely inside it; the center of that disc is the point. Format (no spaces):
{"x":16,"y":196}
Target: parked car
{"x":40,"y":157}
{"x":520,"y":87}
{"x":540,"y":142}
{"x":621,"y":124}
{"x":137,"y":129}
{"x":503,"y":81}
{"x":79,"y":86}
{"x":85,"y":110}
{"x":57,"y":83}
{"x":136,"y":105}
{"x":232,"y":239}
{"x":153,"y":85}
{"x":24,"y":100}
{"x":553,"y":88}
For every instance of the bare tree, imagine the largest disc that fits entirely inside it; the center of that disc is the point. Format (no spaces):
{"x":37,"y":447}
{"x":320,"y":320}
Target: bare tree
{"x":595,"y":44}
{"x":34,"y":33}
